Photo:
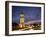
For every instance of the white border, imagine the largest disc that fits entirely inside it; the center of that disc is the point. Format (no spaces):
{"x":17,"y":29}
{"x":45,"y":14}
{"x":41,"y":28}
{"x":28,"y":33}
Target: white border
{"x":30,"y":31}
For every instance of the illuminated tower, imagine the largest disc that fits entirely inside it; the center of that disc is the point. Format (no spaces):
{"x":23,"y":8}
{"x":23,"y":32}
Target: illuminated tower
{"x":22,"y":20}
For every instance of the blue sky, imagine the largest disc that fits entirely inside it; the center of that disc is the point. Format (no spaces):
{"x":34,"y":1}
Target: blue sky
{"x":30,"y":13}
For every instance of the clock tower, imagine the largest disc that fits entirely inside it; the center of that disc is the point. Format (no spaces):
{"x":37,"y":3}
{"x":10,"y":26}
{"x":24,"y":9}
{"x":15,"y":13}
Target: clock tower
{"x":21,"y":20}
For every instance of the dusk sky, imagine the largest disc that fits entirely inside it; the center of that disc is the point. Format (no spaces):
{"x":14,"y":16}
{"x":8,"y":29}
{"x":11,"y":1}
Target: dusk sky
{"x":30,"y":13}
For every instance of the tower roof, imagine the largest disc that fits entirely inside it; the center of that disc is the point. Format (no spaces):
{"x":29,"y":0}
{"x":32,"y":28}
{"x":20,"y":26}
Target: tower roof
{"x":21,"y":12}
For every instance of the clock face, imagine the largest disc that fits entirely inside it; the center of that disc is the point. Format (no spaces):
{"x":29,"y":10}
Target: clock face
{"x":21,"y":20}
